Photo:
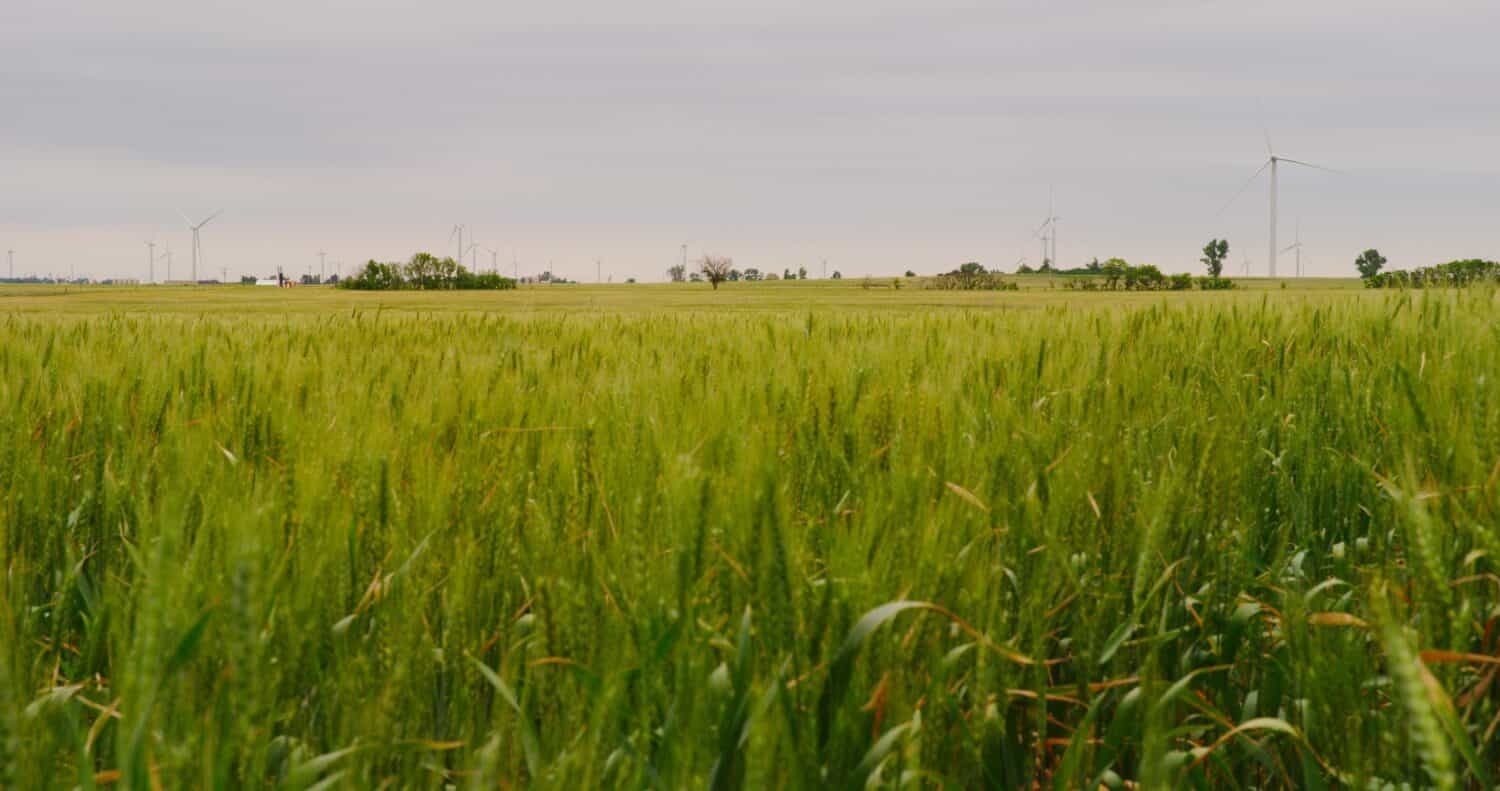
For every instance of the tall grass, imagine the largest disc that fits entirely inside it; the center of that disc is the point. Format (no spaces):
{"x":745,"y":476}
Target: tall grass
{"x":1240,"y":544}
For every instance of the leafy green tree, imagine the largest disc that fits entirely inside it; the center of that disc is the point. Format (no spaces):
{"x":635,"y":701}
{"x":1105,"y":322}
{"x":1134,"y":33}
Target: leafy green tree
{"x":1214,"y":254}
{"x":1114,"y":271}
{"x":1369,"y":263}
{"x":971,"y":268}
{"x":677,"y":272}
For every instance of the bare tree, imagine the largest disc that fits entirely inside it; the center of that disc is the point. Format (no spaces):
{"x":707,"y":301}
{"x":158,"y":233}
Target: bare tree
{"x":716,"y":268}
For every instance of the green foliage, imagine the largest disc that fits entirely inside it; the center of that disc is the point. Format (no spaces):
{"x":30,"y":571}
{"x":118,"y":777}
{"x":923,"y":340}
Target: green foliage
{"x":1369,"y":263}
{"x":260,"y":539}
{"x":424,"y":272}
{"x":1454,"y":274}
{"x":980,"y":280}
{"x":1214,"y":254}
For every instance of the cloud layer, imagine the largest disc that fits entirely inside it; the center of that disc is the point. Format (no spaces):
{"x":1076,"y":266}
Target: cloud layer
{"x":881,"y":136}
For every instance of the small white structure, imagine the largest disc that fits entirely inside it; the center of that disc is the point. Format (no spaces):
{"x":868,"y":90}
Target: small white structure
{"x":267,"y":281}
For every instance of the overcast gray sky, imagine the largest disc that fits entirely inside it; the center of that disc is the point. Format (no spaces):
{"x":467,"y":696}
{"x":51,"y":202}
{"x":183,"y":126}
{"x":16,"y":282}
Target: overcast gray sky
{"x":880,"y":135}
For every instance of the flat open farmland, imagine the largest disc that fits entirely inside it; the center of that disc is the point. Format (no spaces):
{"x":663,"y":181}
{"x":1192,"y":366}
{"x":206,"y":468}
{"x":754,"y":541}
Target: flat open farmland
{"x":780,"y":535}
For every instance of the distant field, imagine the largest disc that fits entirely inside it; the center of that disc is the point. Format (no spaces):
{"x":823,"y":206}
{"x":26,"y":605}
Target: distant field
{"x":800,"y":535}
{"x":1037,"y":292}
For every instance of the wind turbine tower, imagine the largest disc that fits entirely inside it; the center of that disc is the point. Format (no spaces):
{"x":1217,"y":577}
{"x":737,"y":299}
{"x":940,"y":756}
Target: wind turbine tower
{"x":322,"y":266}
{"x":458,"y":231}
{"x":151,"y":262}
{"x":1296,"y":245}
{"x":1047,"y":233}
{"x":10,"y":260}
{"x":197,"y":243}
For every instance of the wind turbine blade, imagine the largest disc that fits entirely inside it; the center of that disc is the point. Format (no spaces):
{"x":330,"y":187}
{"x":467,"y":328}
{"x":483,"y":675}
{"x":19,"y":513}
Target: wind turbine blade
{"x":210,"y":218}
{"x":1246,"y":186}
{"x":184,"y":217}
{"x":1260,"y":107}
{"x":1309,"y":165}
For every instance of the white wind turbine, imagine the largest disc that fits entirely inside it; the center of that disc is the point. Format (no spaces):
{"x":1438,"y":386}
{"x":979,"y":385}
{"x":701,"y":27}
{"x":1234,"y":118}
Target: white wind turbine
{"x":458,"y":231}
{"x":1272,"y":162}
{"x":1296,"y":245}
{"x":198,"y":245}
{"x":1047,"y":232}
{"x":494,"y":256}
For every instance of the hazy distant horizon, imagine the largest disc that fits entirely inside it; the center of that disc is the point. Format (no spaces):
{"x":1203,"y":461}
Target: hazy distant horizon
{"x":879,"y":136}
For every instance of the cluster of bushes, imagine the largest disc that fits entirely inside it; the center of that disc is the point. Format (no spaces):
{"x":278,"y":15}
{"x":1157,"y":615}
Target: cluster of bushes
{"x":1118,"y":275}
{"x":978,"y":281}
{"x":970,"y":277}
{"x":423,"y":272}
{"x":1451,"y":274}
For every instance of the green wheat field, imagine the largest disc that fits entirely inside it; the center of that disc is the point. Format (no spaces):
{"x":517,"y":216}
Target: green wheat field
{"x":796,"y":535}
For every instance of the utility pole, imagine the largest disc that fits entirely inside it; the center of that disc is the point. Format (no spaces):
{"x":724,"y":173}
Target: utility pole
{"x":322,"y":266}
{"x":223,"y":274}
{"x":598,"y":271}
{"x":684,"y":260}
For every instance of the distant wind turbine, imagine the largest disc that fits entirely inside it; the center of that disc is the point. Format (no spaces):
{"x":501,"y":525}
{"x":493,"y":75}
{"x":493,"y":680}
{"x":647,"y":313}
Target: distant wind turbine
{"x":197,"y":243}
{"x":1272,"y":162}
{"x":1297,"y":245}
{"x":458,"y":231}
{"x":151,"y":262}
{"x":494,"y":256}
{"x":1047,"y":232}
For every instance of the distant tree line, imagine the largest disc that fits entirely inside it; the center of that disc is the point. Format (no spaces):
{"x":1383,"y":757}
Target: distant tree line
{"x":1450,"y":275}
{"x":1117,"y":274}
{"x":424,"y":272}
{"x":716,"y":269}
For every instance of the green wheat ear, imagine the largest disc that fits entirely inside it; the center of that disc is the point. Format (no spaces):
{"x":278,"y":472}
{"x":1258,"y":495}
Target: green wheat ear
{"x":1407,"y":674}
